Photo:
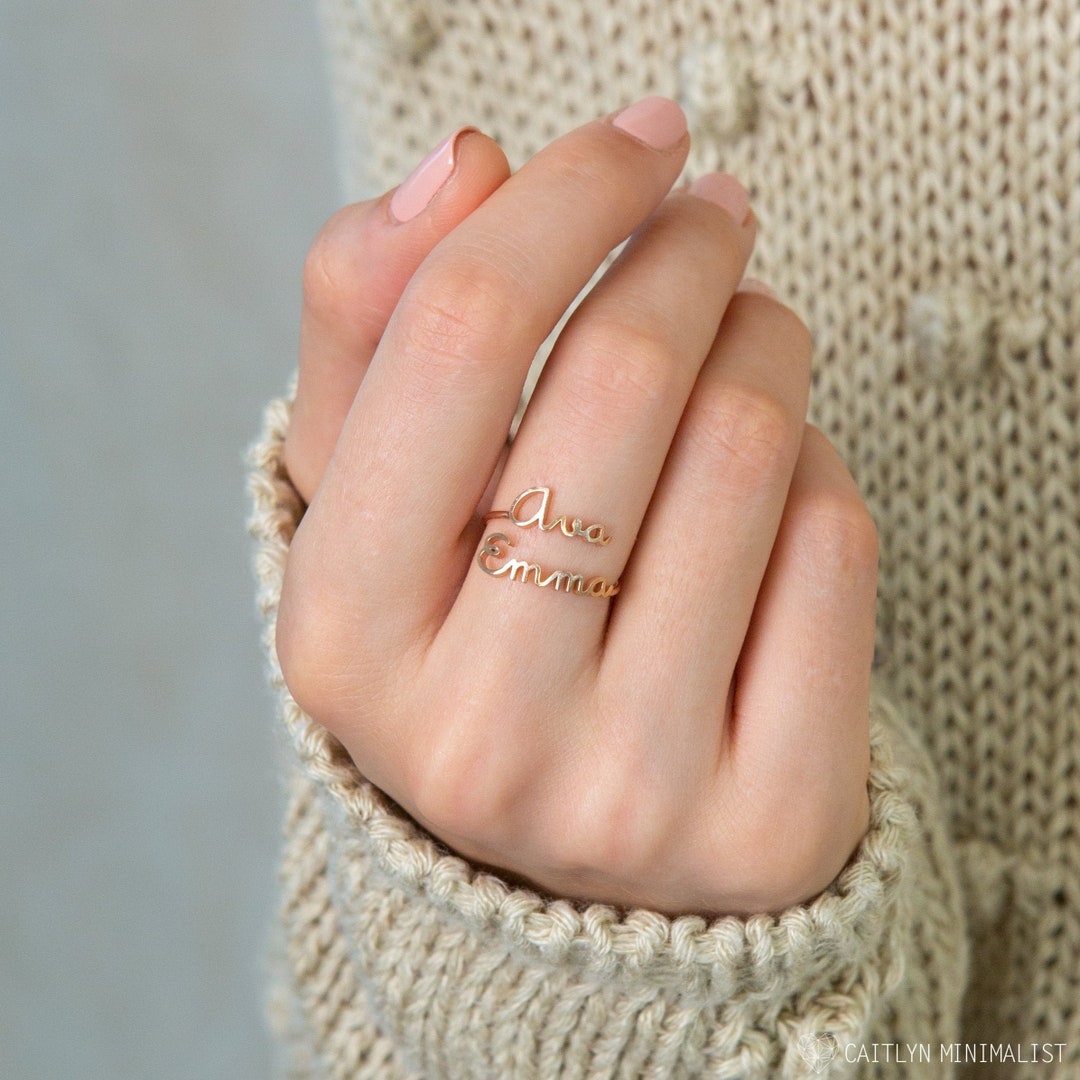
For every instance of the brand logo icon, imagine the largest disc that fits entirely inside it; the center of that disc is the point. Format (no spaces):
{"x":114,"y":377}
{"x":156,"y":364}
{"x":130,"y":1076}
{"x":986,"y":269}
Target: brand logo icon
{"x":818,"y":1050}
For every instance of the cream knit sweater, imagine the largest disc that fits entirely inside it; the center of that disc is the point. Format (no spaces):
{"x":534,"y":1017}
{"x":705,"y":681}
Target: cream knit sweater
{"x":915,"y":168}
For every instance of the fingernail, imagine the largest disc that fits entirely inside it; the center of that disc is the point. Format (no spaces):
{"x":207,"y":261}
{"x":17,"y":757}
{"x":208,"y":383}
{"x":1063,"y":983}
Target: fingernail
{"x":421,"y":185}
{"x":751,"y":284}
{"x":656,"y":121}
{"x":726,"y":192}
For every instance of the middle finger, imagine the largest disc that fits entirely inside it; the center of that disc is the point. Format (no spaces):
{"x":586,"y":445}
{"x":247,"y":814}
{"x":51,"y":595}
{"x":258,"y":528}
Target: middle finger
{"x":607,"y":405}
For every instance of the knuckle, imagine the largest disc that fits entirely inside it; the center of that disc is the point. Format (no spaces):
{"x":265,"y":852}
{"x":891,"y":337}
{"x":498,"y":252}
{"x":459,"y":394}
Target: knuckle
{"x":457,"y":782}
{"x":618,"y":369}
{"x":441,"y":801}
{"x":607,"y":828}
{"x":838,"y":531}
{"x":455,"y":319}
{"x":798,"y":829}
{"x":580,"y":172}
{"x":788,"y":865}
{"x":332,"y":274}
{"x":305,"y":652}
{"x":824,"y":846}
{"x":751,"y":430}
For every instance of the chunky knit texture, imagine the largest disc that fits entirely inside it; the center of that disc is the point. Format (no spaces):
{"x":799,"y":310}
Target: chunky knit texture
{"x":915,"y":169}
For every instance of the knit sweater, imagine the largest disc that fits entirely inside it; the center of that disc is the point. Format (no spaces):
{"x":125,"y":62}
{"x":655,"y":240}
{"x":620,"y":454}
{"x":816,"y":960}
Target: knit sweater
{"x":915,"y":170}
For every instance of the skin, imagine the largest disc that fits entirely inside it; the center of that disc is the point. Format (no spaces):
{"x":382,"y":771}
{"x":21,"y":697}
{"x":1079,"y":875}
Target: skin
{"x":698,"y":742}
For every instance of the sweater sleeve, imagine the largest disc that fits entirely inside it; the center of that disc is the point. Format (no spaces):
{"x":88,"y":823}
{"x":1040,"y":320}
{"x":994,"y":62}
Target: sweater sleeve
{"x":398,"y":959}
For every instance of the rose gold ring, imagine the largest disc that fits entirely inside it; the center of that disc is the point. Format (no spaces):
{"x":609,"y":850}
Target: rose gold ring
{"x":540,"y":497}
{"x":494,"y":548}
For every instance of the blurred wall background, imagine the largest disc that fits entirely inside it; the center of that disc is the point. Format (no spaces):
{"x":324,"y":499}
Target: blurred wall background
{"x":162,"y":170}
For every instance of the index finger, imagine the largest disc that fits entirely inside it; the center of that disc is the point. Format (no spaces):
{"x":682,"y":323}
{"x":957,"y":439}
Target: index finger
{"x":426,"y":428}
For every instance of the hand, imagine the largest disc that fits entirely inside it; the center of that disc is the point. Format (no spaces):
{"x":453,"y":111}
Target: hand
{"x":697,"y":742}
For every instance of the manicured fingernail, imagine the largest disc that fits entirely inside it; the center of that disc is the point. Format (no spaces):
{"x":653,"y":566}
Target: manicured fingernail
{"x":421,"y":185}
{"x":752,"y":284}
{"x":656,"y":121}
{"x":724,"y":190}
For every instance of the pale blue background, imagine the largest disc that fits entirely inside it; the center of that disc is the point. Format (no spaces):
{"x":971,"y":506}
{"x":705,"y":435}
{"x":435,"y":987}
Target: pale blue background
{"x":162,"y":169}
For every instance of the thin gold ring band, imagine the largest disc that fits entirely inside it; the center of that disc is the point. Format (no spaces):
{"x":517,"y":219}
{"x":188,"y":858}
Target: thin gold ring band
{"x":519,"y":570}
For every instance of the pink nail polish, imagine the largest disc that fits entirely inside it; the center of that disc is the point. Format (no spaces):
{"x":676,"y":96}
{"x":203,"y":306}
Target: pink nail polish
{"x":726,"y":192}
{"x":422,"y":184}
{"x":656,"y":121}
{"x":751,"y":284}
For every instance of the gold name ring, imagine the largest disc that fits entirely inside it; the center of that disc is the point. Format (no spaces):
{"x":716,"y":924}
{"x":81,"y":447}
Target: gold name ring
{"x":519,"y":570}
{"x":591,"y":534}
